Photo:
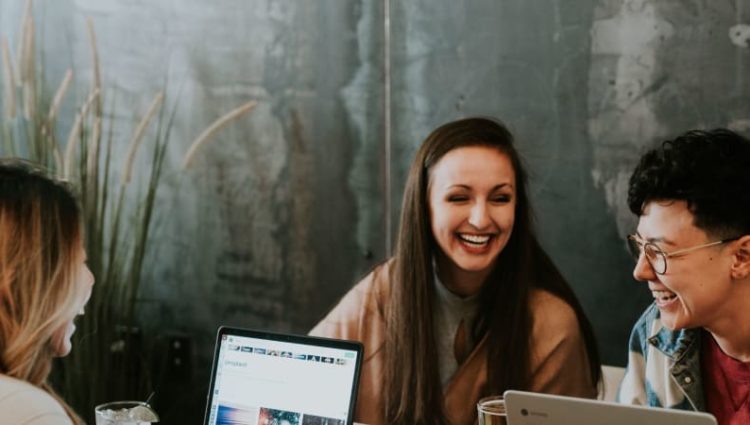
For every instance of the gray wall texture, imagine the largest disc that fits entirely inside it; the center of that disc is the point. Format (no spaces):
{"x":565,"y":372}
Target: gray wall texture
{"x":289,"y":207}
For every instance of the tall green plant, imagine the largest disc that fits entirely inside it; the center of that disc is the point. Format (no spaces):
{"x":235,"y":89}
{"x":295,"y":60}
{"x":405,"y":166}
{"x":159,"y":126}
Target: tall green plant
{"x":109,"y":360}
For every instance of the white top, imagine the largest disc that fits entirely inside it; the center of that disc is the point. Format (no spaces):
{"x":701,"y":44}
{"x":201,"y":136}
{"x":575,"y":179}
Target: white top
{"x":24,"y":404}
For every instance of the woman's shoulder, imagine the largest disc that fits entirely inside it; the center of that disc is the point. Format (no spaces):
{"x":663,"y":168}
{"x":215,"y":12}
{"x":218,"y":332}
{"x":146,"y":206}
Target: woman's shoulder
{"x":359,"y":308}
{"x":22,"y":402}
{"x":371,"y":292}
{"x":551,"y":313}
{"x":559,"y":358}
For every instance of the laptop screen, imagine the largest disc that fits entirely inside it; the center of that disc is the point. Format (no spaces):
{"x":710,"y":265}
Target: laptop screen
{"x":274,"y":379}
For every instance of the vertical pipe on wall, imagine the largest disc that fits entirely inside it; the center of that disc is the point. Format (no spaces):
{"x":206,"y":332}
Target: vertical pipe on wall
{"x":739,"y":79}
{"x":387,"y":124}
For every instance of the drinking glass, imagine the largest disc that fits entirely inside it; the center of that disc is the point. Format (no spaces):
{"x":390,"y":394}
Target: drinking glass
{"x":491,"y":411}
{"x":125,"y":413}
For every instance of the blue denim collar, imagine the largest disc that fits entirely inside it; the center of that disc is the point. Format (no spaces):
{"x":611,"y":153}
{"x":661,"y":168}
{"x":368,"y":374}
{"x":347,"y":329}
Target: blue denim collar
{"x":683,"y":347}
{"x":675,"y":344}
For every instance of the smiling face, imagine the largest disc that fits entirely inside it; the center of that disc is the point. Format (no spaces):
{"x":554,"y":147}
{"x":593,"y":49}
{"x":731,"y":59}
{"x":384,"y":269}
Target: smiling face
{"x":472,"y":201}
{"x":697,"y":288}
{"x":61,"y":343}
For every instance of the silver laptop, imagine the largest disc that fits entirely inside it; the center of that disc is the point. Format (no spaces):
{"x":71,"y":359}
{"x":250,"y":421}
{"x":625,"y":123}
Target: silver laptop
{"x":264,"y":378}
{"x":526,"y":408}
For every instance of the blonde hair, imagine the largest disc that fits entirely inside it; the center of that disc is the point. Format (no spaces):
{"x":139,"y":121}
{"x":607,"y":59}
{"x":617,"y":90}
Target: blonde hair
{"x":40,"y":248}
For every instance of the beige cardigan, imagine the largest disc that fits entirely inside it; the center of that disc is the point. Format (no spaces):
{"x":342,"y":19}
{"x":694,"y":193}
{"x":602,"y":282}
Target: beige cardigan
{"x":559,"y":363}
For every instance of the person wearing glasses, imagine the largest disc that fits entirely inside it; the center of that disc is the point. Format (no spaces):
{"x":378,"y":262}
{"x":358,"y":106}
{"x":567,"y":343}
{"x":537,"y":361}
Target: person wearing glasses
{"x":691,"y":348}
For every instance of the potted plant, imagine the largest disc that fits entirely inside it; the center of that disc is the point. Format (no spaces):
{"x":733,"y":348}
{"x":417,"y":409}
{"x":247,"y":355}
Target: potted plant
{"x":110,"y":359}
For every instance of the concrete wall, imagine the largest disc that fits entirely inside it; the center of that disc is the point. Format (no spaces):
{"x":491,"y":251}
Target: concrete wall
{"x":586,"y":86}
{"x":286,"y":209}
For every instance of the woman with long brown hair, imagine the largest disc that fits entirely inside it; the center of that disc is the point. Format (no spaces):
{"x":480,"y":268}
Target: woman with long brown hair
{"x":470,"y":305}
{"x":44,"y":285}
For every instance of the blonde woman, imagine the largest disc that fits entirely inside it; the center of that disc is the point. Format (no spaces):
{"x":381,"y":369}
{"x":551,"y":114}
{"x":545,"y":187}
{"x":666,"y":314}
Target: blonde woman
{"x":44,"y":285}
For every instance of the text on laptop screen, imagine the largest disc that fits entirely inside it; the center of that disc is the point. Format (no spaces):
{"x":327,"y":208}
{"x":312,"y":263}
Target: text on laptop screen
{"x":259,"y":381}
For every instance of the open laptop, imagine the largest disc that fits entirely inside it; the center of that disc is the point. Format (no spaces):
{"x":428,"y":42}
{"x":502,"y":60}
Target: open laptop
{"x":264,"y":378}
{"x":525,"y":408}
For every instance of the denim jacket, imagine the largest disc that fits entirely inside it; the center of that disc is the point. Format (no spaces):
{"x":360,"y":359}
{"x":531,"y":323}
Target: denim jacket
{"x":664,"y":367}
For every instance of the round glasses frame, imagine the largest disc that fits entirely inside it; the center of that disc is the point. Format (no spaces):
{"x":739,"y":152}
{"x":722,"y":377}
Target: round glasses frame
{"x":657,"y":257}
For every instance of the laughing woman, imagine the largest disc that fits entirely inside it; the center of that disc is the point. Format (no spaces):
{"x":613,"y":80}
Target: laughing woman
{"x":470,"y":305}
{"x":44,"y":285}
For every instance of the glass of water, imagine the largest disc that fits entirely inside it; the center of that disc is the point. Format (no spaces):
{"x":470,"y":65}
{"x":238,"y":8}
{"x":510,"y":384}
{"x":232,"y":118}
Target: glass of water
{"x":125,"y":413}
{"x":491,"y":411}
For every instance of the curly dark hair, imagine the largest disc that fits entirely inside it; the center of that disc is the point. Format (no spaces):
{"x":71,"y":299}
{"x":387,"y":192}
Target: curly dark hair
{"x":710,"y":170}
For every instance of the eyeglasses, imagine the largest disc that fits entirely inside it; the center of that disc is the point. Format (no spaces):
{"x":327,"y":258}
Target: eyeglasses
{"x":657,"y":257}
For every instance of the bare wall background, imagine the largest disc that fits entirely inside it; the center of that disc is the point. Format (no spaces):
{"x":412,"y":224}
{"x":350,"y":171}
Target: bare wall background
{"x":287,"y":209}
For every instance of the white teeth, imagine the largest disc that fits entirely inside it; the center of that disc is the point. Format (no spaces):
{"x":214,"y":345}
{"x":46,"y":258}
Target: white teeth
{"x":475,"y":239}
{"x":663,"y":295}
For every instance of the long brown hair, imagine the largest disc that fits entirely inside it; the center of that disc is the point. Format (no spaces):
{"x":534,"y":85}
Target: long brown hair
{"x":40,"y":247}
{"x":413,"y":391}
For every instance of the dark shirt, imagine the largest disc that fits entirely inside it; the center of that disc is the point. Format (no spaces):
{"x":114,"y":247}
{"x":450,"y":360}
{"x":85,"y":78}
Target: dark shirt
{"x":726,"y":384}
